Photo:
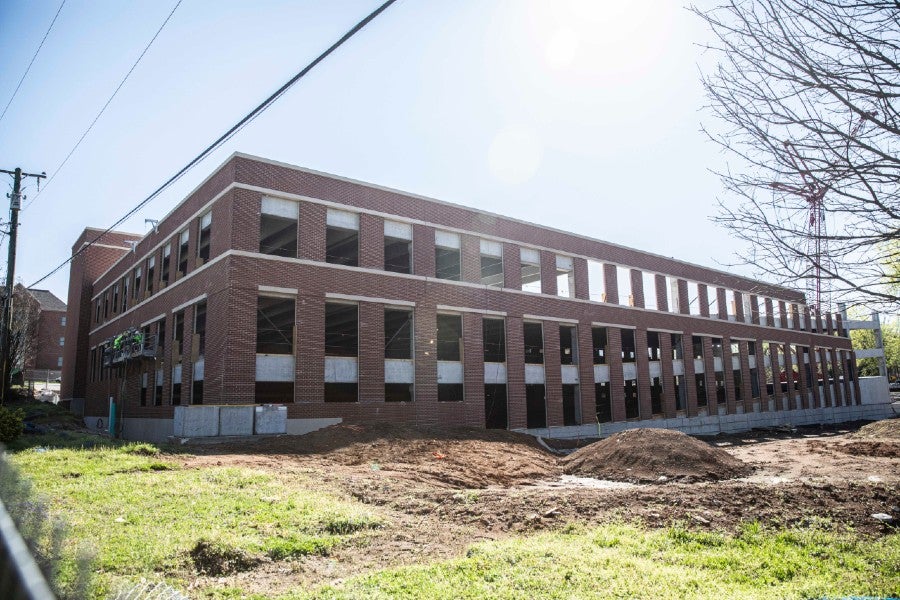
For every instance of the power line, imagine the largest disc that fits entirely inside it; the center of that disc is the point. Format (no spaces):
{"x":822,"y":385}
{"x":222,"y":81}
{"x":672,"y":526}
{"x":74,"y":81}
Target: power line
{"x":227,"y":135}
{"x":102,"y":110}
{"x":28,"y":68}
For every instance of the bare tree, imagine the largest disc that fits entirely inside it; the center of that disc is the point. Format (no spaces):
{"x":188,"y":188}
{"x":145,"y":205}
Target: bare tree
{"x":807,"y":94}
{"x":23,"y":338}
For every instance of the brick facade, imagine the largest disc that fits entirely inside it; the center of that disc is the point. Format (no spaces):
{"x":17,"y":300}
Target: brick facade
{"x":236,"y":274}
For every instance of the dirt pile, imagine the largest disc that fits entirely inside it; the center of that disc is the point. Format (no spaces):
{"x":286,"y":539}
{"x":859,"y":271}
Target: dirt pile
{"x":458,"y":457}
{"x":886,"y":429}
{"x":646,"y":455}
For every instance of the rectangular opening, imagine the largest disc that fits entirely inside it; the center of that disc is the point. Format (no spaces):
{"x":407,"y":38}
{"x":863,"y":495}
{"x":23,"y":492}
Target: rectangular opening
{"x":450,"y":392}
{"x":200,"y":327}
{"x":596,"y":281}
{"x":571,"y":406}
{"x":720,"y":387}
{"x":178,"y":331}
{"x":495,"y":411}
{"x":197,"y":392}
{"x":628,"y":348}
{"x":717,"y":350}
{"x":776,"y":313}
{"x":274,"y":325}
{"x":700,"y":384}
{"x":754,"y":383}
{"x":747,"y":307}
{"x":176,"y":385}
{"x":278,"y":227}
{"x":534,"y":343}
{"x":531,"y":270}
{"x":151,"y":275}
{"x":677,"y":347}
{"x":672,"y":295}
{"x":678,"y":391}
{"x":274,"y":392}
{"x":712,"y":295}
{"x":166,"y":264}
{"x":492,"y":263}
{"x":649,"y":284}
{"x":738,"y":382}
{"x":158,"y":389}
{"x":568,"y":345}
{"x":494,"y":339}
{"x":136,"y":292}
{"x":161,"y":334}
{"x":603,"y":403}
{"x":693,"y":298}
{"x":535,"y":406}
{"x":623,"y":282}
{"x":763,"y":310}
{"x":654,"y":349}
{"x":204,"y":236}
{"x":632,"y":408}
{"x":342,"y":238}
{"x":341,"y":392}
{"x":115,"y":301}
{"x":144,"y":382}
{"x":697,"y":346}
{"x":106,"y":304}
{"x":565,"y":277}
{"x":449,"y":337}
{"x":656,"y":395}
{"x":397,"y":333}
{"x":183,"y":239}
{"x":341,"y":330}
{"x":397,"y":247}
{"x":447,"y":260}
{"x":398,"y":392}
{"x":600,"y":343}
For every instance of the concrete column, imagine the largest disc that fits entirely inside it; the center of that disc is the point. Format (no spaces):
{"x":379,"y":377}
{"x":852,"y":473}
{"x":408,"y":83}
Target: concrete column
{"x":515,"y":372}
{"x":371,"y":352}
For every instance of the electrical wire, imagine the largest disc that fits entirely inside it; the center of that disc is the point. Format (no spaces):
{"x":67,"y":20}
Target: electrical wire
{"x":102,"y":110}
{"x":28,"y":68}
{"x":227,"y":135}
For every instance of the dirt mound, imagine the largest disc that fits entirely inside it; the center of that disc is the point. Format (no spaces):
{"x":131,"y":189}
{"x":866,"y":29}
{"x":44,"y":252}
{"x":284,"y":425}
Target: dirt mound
{"x":645,"y":455}
{"x":888,"y":428}
{"x":459,"y":457}
{"x":874,"y":448}
{"x":211,"y":558}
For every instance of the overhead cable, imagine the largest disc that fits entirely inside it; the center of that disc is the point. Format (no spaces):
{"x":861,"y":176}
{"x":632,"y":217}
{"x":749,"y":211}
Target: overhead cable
{"x":28,"y":68}
{"x":226,"y":136}
{"x":102,"y":110}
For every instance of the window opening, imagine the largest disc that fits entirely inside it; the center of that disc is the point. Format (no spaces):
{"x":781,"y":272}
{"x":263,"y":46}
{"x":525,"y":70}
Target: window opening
{"x":623,"y":282}
{"x":568,"y":345}
{"x":534,"y":343}
{"x":632,"y":408}
{"x":183,"y":237}
{"x":397,"y":333}
{"x":600,"y":343}
{"x":274,"y":325}
{"x":656,"y":395}
{"x":397,"y":247}
{"x":565,"y":277}
{"x":596,"y":281}
{"x":495,"y":409}
{"x":342,"y":238}
{"x":531,"y":270}
{"x":278,"y":227}
{"x":341,"y":329}
{"x":629,"y":352}
{"x":654,"y":348}
{"x":447,"y":263}
{"x":649,"y":284}
{"x":494,"y":339}
{"x":571,"y":406}
{"x":492,"y":263}
{"x":602,"y":400}
{"x":449,"y":337}
{"x":205,"y":237}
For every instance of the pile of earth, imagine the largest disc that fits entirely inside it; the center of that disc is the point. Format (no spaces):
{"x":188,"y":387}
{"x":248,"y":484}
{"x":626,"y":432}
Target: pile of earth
{"x":885,"y":429}
{"x":457,"y":457}
{"x":650,"y":455}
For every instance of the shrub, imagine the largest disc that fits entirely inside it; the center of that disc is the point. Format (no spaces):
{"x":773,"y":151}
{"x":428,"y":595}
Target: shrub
{"x":12,"y":423}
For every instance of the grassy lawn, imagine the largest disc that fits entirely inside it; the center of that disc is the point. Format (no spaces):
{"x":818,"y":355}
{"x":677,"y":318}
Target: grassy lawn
{"x":146,"y":516}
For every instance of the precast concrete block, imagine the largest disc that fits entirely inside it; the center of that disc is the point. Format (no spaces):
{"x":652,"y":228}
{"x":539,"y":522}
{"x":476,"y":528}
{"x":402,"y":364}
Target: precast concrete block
{"x":196,"y":421}
{"x":270,"y":419}
{"x":236,"y":420}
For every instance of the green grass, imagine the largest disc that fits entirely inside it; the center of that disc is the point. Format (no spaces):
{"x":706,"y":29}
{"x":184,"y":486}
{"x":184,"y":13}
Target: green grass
{"x":145,"y":514}
{"x":626,"y":561}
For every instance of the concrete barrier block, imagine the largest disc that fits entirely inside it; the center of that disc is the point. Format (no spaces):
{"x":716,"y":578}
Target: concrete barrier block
{"x":270,"y":419}
{"x":236,"y":420}
{"x":196,"y":421}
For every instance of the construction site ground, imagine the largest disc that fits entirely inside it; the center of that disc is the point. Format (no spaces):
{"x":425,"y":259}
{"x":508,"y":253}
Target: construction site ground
{"x":441,"y":490}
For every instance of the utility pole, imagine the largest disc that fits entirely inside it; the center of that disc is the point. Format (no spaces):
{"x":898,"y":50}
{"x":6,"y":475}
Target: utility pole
{"x":15,"y":204}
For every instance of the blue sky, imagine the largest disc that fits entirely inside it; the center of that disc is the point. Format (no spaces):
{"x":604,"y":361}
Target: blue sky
{"x":579,"y":115}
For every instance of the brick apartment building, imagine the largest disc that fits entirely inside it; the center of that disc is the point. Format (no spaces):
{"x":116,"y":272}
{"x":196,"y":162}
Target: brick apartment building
{"x":50,"y":329}
{"x":272,"y":283}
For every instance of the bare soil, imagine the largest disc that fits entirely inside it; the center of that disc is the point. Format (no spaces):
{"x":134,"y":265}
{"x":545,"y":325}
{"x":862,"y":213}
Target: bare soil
{"x":440,"y":490}
{"x":654,"y":455}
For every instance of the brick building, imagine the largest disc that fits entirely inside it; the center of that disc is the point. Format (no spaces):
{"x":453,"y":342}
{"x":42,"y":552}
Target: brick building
{"x":50,"y":330}
{"x":272,"y":283}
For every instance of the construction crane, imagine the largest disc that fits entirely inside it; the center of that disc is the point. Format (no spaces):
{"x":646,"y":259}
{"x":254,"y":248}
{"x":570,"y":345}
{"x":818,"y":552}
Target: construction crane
{"x":813,"y":191}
